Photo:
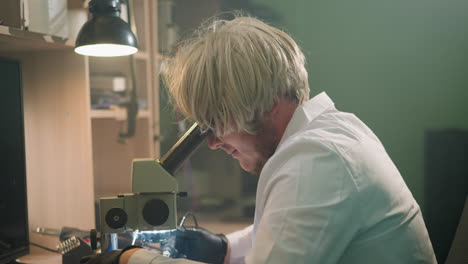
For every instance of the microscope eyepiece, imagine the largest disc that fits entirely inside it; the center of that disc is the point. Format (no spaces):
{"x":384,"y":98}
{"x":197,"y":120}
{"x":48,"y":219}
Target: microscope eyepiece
{"x":182,"y":150}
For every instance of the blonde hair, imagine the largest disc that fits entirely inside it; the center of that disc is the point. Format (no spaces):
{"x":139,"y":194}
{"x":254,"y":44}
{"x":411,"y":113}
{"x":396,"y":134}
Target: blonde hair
{"x":232,"y":72}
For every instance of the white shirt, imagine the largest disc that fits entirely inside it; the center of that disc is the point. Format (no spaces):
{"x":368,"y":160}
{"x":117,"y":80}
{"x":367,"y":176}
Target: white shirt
{"x":331,"y":194}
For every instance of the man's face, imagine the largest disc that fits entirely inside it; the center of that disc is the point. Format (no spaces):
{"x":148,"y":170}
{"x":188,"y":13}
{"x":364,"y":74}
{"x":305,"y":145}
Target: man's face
{"x":252,"y":151}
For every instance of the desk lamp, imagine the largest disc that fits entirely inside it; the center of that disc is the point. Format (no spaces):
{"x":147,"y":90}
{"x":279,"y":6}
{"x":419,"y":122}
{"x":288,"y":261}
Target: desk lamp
{"x":105,"y":34}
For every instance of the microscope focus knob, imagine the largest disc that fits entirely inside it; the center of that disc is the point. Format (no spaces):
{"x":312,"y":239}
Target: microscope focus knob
{"x":155,"y":212}
{"x":116,"y":218}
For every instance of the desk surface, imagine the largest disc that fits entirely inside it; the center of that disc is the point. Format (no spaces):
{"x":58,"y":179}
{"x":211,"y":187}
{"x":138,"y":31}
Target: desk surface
{"x":42,"y":256}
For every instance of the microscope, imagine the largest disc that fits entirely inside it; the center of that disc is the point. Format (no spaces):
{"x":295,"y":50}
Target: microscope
{"x":151,"y":206}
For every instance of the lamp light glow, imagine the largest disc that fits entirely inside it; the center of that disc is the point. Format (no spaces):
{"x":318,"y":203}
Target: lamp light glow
{"x":105,"y":34}
{"x":105,"y":50}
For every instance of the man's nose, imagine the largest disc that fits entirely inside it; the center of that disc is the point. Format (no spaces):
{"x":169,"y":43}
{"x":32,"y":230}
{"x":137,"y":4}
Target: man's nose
{"x":213,"y":142}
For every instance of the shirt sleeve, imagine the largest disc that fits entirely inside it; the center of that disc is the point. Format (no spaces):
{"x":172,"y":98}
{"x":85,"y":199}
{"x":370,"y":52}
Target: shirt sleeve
{"x":240,"y":243}
{"x":309,"y":211}
{"x":144,"y":256}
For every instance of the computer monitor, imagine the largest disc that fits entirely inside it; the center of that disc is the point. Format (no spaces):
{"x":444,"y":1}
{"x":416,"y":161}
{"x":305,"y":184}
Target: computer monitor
{"x":14,"y":237}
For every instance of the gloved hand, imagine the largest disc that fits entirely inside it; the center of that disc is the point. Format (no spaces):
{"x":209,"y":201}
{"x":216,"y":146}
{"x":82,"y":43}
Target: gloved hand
{"x":109,"y":257}
{"x":196,"y":243}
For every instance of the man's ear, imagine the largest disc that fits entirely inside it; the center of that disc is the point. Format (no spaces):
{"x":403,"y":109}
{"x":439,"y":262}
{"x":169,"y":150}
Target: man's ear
{"x":274,"y":110}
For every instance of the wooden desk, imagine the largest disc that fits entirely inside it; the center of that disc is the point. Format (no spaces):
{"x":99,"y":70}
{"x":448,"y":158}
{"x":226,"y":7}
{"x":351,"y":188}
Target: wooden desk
{"x":40,"y":256}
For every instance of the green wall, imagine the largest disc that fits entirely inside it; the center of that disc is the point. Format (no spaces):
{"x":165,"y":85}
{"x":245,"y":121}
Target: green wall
{"x":401,"y":66}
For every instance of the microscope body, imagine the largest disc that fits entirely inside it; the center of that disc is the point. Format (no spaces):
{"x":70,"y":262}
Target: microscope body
{"x":150,"y":207}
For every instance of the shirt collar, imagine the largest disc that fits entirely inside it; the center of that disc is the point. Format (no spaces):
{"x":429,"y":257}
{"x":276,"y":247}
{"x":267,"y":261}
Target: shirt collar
{"x":307,"y":112}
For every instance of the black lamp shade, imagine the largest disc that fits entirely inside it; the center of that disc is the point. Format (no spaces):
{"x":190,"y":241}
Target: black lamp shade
{"x":104,"y":32}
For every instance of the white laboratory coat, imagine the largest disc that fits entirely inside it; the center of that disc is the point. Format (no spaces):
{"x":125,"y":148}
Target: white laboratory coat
{"x":331,"y":194}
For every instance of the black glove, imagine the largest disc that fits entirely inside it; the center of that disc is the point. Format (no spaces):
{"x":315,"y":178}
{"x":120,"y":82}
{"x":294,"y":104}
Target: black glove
{"x":199,"y":244}
{"x":109,"y":257}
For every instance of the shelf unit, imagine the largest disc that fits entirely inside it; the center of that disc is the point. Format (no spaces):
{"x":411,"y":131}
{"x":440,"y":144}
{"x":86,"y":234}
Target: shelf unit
{"x":73,"y":154}
{"x":12,"y":39}
{"x":112,"y":155}
{"x":117,"y":114}
{"x":59,"y":163}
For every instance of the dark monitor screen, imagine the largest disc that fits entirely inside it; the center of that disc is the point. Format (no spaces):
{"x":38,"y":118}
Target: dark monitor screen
{"x":14,"y":237}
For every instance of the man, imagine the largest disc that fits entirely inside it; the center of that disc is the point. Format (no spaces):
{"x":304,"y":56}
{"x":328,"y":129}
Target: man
{"x":327,"y":190}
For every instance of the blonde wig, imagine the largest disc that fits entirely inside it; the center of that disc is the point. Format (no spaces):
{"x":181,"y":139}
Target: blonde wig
{"x":232,"y":72}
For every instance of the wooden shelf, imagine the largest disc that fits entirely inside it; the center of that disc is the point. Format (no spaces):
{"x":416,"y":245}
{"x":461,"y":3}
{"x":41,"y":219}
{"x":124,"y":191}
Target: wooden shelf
{"x":112,"y":157}
{"x":13,"y":39}
{"x":68,"y":144}
{"x":118,"y":114}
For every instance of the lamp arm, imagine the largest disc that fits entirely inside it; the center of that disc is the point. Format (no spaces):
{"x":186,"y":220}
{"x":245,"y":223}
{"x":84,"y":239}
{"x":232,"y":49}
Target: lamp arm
{"x":132,"y":104}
